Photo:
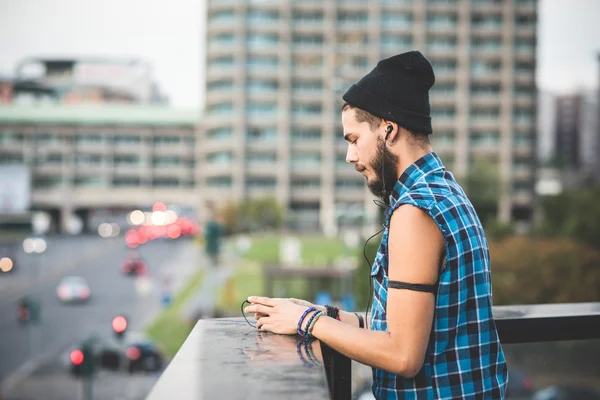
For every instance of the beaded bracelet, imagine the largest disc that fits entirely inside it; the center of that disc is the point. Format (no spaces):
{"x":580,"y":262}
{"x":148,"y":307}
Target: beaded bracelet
{"x":310,"y":323}
{"x":299,"y":351}
{"x":311,"y":356}
{"x":299,"y":329}
{"x":333,"y":312}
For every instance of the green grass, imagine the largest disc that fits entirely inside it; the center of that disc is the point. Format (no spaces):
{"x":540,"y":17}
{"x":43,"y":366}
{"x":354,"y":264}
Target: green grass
{"x":168,"y":329}
{"x":315,"y":249}
{"x":248,"y":277}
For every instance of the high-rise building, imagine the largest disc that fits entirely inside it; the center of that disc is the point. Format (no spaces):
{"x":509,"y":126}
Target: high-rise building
{"x":276,"y":71}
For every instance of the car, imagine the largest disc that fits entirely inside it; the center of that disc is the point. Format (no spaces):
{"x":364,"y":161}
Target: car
{"x":134,"y":265}
{"x":73,"y":289}
{"x":520,"y":384}
{"x":8,"y":259}
{"x":106,"y":353}
{"x":567,"y":392}
{"x":143,"y":355}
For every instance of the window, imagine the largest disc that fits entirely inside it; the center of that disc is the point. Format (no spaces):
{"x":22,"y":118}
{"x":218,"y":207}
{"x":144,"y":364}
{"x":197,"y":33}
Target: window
{"x":219,"y":85}
{"x":261,"y":62}
{"x":220,"y":134}
{"x":306,"y":160}
{"x":127,"y":160}
{"x":220,"y":158}
{"x":349,"y":184}
{"x":219,"y":182}
{"x":307,"y":86}
{"x":443,"y":90}
{"x":126,"y":181}
{"x":89,"y":139}
{"x":306,"y":110}
{"x":260,"y":17}
{"x":395,"y":19}
{"x":307,"y":40}
{"x":7,"y":137}
{"x":127,"y":140}
{"x":442,"y":112}
{"x":485,"y":113}
{"x":46,"y":182}
{"x":307,"y":17}
{"x":349,"y":17}
{"x":220,"y":109}
{"x":88,"y":159}
{"x":165,"y":182}
{"x":484,"y":139}
{"x":166,"y":161}
{"x":258,"y":40}
{"x":305,"y":135}
{"x":11,"y":158}
{"x":395,"y":41}
{"x":306,"y":184}
{"x":221,"y":39}
{"x":221,"y":62}
{"x":261,"y":183}
{"x":442,"y":21}
{"x":261,"y":86}
{"x":226,"y":16}
{"x":441,"y":44}
{"x":255,"y":134}
{"x":166,"y":140}
{"x":261,"y":158}
{"x":261,"y":109}
{"x":88,"y":181}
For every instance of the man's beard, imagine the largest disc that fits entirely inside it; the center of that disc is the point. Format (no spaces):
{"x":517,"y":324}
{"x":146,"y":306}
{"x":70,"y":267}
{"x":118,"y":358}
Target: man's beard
{"x":383,"y":157}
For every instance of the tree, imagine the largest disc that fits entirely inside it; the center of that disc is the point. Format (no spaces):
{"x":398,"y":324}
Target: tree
{"x":482,"y":185}
{"x":252,"y":215}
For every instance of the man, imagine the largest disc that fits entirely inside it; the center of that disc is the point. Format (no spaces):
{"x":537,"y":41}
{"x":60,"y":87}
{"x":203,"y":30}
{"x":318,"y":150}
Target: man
{"x":213,"y":230}
{"x":432,"y":334}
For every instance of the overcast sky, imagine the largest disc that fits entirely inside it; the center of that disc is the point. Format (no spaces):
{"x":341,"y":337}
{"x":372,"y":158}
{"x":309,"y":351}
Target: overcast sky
{"x":169,"y":35}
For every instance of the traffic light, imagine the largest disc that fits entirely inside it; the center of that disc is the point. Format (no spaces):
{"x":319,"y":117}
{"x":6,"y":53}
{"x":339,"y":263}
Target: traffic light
{"x":119,"y":325}
{"x":83,"y":361}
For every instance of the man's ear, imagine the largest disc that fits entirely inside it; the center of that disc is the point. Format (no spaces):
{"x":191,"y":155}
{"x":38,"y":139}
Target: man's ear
{"x":393,"y":132}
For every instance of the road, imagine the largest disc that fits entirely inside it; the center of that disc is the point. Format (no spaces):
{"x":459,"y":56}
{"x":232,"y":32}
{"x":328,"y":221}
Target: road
{"x":98,"y":261}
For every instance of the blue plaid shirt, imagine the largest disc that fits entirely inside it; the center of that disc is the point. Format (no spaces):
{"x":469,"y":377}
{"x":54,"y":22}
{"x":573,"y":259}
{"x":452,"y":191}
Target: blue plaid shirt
{"x":464,"y":358}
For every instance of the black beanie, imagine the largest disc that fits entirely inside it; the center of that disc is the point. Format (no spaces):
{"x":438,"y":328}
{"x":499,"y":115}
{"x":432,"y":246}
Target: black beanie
{"x":397,"y":89}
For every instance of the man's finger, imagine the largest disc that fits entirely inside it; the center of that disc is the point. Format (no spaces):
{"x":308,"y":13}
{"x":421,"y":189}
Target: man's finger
{"x":262,"y":300}
{"x":259,"y":315}
{"x":258,"y":308}
{"x":262,"y":321}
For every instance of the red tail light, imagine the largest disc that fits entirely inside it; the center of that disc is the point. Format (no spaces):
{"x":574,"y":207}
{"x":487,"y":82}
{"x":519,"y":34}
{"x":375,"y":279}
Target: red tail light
{"x":133,"y":353}
{"x":76,"y":357}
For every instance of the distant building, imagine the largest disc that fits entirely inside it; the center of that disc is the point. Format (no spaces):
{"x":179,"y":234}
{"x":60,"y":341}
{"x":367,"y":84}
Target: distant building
{"x":6,"y":90}
{"x":276,"y":71}
{"x":86,"y":159}
{"x":85,"y":81}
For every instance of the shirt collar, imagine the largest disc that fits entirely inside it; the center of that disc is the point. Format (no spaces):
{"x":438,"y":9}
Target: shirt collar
{"x":417,"y":170}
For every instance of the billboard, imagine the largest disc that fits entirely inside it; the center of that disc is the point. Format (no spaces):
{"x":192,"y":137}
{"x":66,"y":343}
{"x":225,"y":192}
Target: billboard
{"x":15,"y":189}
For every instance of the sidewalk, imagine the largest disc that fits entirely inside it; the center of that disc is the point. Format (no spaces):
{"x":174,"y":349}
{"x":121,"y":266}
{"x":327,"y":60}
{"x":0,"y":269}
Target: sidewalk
{"x":202,"y":305}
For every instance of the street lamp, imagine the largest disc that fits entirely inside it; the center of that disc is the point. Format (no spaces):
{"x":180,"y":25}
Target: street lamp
{"x":35,"y":246}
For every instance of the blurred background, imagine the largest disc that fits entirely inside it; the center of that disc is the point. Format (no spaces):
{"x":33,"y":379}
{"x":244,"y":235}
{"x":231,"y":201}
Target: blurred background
{"x":161,"y":162}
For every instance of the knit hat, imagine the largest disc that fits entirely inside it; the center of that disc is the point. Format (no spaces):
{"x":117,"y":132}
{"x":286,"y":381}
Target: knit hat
{"x":397,"y":89}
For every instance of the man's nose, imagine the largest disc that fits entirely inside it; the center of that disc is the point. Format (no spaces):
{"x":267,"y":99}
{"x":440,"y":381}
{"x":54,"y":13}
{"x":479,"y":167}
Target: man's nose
{"x":351,"y":156}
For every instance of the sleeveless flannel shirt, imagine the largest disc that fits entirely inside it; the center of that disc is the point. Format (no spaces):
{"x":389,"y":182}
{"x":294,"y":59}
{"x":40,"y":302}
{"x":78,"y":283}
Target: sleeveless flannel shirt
{"x":464,"y":358}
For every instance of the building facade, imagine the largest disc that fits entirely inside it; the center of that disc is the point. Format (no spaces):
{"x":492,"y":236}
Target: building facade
{"x":85,"y":159}
{"x":276,"y":71}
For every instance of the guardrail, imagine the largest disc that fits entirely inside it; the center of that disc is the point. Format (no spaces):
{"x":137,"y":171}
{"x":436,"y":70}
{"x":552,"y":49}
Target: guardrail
{"x":226,"y":358}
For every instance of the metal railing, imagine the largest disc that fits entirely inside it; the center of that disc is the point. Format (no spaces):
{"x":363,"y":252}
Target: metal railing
{"x":228,"y":357}
{"x":515,"y":324}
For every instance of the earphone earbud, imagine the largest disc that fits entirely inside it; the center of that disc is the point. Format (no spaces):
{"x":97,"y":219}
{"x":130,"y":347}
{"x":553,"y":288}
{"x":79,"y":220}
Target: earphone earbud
{"x":389,"y":130}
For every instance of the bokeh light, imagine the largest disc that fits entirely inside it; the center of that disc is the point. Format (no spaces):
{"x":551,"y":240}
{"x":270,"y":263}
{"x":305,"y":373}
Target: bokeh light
{"x":6,"y":264}
{"x":137,"y":217}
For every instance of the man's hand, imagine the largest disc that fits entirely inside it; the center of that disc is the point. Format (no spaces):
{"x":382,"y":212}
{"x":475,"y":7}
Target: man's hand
{"x":300,"y":302}
{"x":278,"y":315}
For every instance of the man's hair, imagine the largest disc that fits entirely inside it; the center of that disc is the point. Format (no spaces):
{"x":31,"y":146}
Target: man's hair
{"x":417,"y":138}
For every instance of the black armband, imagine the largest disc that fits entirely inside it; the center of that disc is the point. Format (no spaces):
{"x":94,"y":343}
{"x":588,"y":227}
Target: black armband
{"x":417,"y":287}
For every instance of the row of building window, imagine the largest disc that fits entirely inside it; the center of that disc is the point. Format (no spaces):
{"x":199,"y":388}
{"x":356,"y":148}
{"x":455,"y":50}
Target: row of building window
{"x":345,"y":17}
{"x":49,"y":182}
{"x":14,"y":136}
{"x":257,"y":40}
